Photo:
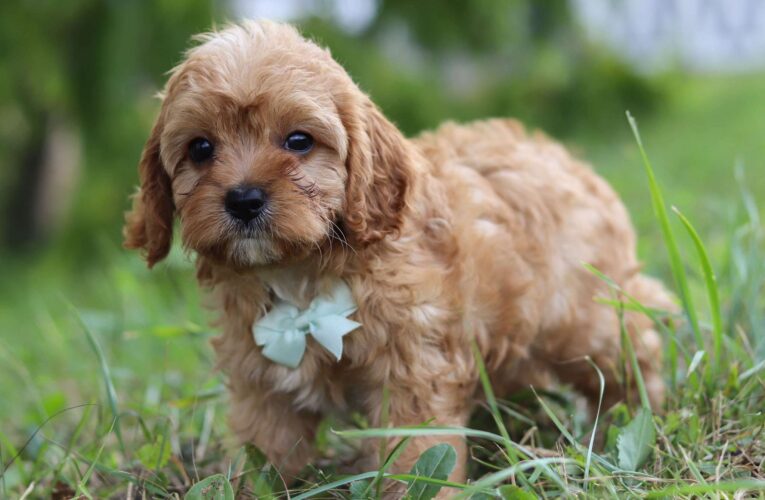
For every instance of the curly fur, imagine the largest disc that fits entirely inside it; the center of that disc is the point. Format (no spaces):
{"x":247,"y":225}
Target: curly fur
{"x":149,"y":226}
{"x":474,"y":231}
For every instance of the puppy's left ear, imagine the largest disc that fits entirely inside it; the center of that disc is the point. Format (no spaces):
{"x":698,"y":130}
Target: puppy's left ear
{"x":149,"y":225}
{"x":380,"y":167}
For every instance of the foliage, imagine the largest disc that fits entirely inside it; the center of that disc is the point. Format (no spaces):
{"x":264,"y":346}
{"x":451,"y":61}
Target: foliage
{"x":141,"y":332}
{"x":105,"y":371}
{"x":93,"y":67}
{"x":215,"y":487}
{"x":437,"y":463}
{"x":635,"y":441}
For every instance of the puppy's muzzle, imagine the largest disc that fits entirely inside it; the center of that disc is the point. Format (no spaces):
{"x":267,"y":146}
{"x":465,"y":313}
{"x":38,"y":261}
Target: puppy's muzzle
{"x":245,"y":203}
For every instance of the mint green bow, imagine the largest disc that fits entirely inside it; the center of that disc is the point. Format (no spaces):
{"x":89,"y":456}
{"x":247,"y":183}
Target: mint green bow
{"x":283,"y":329}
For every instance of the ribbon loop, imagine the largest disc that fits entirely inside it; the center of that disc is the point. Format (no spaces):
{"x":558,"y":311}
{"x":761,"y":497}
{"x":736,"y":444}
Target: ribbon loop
{"x":282,"y":331}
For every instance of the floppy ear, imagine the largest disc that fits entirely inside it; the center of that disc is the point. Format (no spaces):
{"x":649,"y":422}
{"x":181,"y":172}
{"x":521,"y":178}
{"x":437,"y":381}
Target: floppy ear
{"x":149,"y":225}
{"x":380,"y":174}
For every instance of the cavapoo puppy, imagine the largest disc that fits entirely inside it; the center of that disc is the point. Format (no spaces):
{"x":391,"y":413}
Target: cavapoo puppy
{"x":346,"y":258}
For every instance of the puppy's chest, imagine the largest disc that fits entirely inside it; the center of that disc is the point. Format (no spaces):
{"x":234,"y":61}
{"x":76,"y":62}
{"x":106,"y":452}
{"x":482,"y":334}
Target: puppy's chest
{"x":326,"y":377}
{"x":294,"y":286}
{"x":320,"y":384}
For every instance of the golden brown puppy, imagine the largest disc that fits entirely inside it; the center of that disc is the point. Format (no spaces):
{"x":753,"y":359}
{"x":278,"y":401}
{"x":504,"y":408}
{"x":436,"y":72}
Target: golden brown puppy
{"x":287,"y":179}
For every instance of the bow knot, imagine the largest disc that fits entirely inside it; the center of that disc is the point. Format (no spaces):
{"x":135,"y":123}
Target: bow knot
{"x":282,"y":331}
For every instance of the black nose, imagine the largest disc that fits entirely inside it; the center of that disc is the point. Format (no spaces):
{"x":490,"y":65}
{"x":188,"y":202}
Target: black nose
{"x":245,"y":203}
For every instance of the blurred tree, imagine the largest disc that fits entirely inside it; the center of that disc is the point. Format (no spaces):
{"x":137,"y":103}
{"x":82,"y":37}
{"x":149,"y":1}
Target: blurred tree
{"x":77,"y":66}
{"x":427,"y":61}
{"x":476,"y":25}
{"x":77,"y":80}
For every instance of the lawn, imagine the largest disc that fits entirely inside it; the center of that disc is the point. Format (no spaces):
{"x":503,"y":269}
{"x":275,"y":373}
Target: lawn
{"x":108,"y":388}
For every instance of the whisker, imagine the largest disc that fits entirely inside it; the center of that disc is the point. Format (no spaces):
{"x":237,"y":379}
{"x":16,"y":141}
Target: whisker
{"x":338,"y":234}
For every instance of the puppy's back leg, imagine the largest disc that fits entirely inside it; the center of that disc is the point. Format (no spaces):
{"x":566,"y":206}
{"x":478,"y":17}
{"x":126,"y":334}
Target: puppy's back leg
{"x":645,"y":339}
{"x":596,"y":335}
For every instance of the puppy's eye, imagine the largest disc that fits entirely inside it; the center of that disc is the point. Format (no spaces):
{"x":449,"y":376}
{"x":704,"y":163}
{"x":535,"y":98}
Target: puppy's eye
{"x":201,"y":150}
{"x":299,"y":142}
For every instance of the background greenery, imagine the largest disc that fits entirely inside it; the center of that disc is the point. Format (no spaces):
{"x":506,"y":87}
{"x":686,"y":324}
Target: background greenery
{"x":79,"y":315}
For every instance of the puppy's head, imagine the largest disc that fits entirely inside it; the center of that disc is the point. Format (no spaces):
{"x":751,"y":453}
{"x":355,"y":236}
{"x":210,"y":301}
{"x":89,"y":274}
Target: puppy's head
{"x":265,"y":149}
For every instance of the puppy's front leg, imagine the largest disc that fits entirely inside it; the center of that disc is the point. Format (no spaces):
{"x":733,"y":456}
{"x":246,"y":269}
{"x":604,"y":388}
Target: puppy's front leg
{"x":443,"y":406}
{"x":271,"y":422}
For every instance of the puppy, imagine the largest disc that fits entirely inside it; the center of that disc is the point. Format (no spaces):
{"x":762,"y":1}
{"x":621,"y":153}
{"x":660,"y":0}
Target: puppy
{"x":289,"y":183}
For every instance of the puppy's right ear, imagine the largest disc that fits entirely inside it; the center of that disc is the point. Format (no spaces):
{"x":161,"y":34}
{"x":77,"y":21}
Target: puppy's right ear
{"x":149,"y":225}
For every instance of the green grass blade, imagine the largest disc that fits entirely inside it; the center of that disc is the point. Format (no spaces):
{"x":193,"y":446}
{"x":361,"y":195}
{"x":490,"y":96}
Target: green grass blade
{"x":692,"y":467}
{"x":753,"y":212}
{"x":696,"y":490}
{"x":588,"y":458}
{"x":497,"y":477}
{"x":645,"y":402}
{"x":626,"y":339}
{"x":676,"y":262}
{"x":710,"y":280}
{"x":495,"y":413}
{"x":386,"y":464}
{"x":18,"y":452}
{"x":569,"y":437}
{"x":368,"y":475}
{"x":334,"y":484}
{"x":752,"y":371}
{"x":82,"y":485}
{"x":393,"y":455}
{"x":111,"y":393}
{"x":635,"y":305}
{"x":432,"y":431}
{"x":419,"y":431}
{"x":73,"y":439}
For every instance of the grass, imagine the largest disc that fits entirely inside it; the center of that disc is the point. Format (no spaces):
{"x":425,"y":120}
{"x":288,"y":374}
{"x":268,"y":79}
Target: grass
{"x":108,"y":389}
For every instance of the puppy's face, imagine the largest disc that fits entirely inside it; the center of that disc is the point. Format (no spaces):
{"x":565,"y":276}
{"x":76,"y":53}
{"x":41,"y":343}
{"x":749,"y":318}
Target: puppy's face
{"x":256,"y":159}
{"x":264,"y":149}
